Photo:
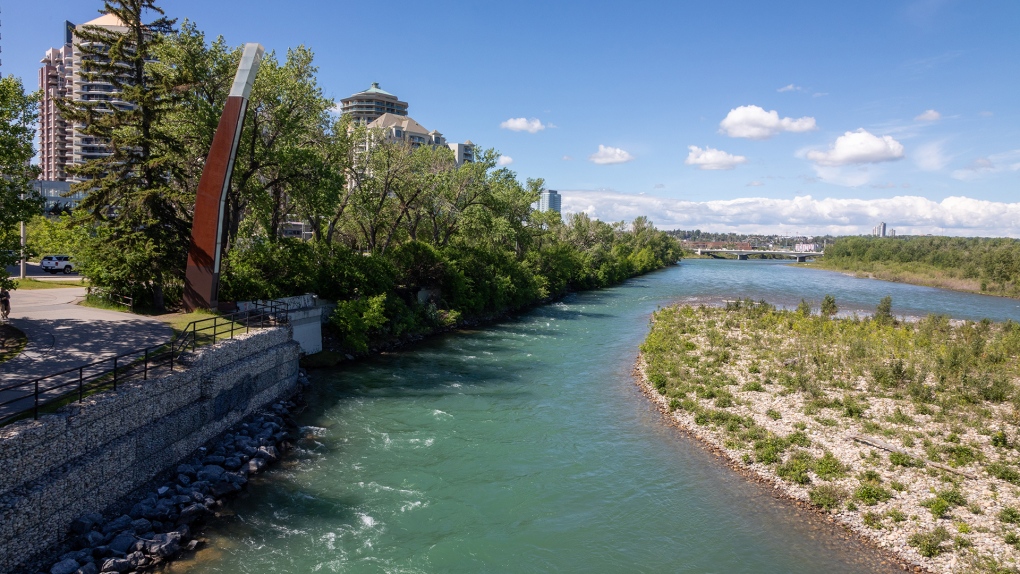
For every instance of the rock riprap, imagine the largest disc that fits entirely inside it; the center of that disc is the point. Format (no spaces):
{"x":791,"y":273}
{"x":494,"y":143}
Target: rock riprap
{"x":163,"y":524}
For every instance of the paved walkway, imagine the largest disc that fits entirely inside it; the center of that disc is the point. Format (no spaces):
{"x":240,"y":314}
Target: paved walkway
{"x":63,"y":335}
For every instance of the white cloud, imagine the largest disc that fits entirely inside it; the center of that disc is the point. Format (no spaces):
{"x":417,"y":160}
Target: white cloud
{"x":567,"y":158}
{"x":608,"y":155}
{"x":806,"y":215}
{"x":711,"y":158}
{"x":755,"y":184}
{"x":995,"y":163}
{"x":928,"y":116}
{"x":534,"y":125}
{"x":504,"y":160}
{"x":754,"y":123}
{"x":790,"y":88}
{"x":858,"y":147}
{"x":930,"y":157}
{"x":660,"y":186}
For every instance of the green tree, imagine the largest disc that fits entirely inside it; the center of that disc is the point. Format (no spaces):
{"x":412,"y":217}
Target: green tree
{"x":883,"y":311}
{"x":829,"y":306}
{"x":18,"y":112}
{"x":141,"y":220}
{"x":804,"y":308}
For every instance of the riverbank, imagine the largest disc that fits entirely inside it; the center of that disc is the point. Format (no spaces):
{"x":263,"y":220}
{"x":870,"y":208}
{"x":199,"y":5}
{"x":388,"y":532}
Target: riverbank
{"x":902,"y":432}
{"x":924,"y":277}
{"x":335,"y":349}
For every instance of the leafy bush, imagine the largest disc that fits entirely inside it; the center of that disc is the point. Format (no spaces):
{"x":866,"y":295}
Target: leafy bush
{"x":827,"y":496}
{"x":829,"y":307}
{"x":929,"y":544}
{"x":872,"y":520}
{"x":828,"y":467}
{"x":796,"y":468}
{"x":1010,"y":515}
{"x":896,"y":515}
{"x":357,"y":320}
{"x":883,"y":312}
{"x":753,"y":386}
{"x":1004,"y":471}
{"x":871,"y":493}
{"x":769,"y":450}
{"x":937,"y":506}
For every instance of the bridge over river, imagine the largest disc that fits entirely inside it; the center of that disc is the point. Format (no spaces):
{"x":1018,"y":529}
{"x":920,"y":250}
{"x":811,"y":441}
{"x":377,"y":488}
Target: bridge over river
{"x":800,"y":256}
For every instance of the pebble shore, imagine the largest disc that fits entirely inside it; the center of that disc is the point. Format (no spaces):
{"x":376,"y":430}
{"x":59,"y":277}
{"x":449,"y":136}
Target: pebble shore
{"x":889,"y":537}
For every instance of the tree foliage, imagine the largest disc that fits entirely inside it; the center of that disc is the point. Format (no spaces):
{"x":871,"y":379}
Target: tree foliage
{"x":140,"y":218}
{"x":991,"y":263}
{"x":404,"y":238}
{"x":18,"y":112}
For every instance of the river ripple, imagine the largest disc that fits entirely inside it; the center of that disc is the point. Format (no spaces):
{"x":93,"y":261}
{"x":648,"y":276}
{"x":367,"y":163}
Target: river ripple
{"x":526,"y":447}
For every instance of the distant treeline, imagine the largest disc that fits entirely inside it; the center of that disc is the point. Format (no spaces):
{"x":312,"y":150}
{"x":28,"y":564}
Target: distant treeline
{"x":754,"y":239}
{"x":963,"y":263}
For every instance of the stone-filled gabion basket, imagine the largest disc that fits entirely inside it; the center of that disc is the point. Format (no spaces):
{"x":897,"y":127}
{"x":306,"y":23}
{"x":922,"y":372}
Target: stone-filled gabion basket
{"x":163,"y":524}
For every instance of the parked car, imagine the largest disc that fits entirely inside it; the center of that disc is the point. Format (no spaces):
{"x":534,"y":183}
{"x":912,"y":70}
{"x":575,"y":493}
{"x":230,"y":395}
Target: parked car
{"x":57,"y":263}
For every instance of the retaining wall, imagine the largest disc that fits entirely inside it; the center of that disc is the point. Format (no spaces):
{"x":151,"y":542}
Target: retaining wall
{"x":89,"y":456}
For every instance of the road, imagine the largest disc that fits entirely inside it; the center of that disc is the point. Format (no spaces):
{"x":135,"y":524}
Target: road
{"x":34,"y":271}
{"x":63,"y":335}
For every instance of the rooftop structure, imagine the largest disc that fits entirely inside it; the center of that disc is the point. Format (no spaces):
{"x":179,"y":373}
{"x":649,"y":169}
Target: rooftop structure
{"x":403,"y":128}
{"x":368,"y":105}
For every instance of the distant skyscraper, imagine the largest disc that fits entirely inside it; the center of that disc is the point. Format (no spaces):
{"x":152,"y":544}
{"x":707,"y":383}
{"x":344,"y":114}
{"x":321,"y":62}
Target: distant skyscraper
{"x":549,"y":200}
{"x":368,"y":105}
{"x":879,"y":230}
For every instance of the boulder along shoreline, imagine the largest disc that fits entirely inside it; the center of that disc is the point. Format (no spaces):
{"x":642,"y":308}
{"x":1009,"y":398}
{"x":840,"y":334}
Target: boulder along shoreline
{"x":165,"y":523}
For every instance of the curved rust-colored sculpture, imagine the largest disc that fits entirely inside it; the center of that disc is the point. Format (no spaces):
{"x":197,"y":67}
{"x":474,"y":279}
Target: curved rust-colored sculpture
{"x":202,"y":278}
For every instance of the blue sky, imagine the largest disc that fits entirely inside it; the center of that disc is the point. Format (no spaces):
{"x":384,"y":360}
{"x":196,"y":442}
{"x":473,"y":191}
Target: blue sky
{"x":792,"y":117}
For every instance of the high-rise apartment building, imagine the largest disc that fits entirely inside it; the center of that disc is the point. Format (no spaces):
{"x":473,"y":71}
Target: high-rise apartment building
{"x":463,"y":152}
{"x":405,"y":129}
{"x":879,"y":230}
{"x":368,"y":105}
{"x":61,"y":144}
{"x":549,"y":200}
{"x":55,"y":134}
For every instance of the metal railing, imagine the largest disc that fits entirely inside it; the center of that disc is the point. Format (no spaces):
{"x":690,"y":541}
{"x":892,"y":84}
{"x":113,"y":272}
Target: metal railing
{"x":52,"y":391}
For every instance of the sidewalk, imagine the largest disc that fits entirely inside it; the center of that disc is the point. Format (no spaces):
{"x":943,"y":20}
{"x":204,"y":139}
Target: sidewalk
{"x":62,"y":335}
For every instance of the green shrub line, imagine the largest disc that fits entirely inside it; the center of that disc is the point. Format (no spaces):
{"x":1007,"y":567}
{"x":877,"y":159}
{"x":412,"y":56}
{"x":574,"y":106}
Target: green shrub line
{"x":981,"y":265}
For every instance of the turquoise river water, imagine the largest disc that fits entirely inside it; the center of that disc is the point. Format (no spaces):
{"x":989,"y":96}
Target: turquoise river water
{"x":527,"y":447}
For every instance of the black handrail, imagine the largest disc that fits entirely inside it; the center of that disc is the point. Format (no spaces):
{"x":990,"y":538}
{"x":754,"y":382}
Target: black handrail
{"x":138,"y":364}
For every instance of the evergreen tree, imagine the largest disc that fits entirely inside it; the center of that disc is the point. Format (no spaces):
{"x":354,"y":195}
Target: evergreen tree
{"x":141,"y":220}
{"x":829,"y":306}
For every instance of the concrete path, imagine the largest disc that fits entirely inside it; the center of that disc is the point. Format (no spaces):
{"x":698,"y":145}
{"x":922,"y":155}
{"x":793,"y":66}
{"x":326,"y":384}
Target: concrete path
{"x":63,"y":335}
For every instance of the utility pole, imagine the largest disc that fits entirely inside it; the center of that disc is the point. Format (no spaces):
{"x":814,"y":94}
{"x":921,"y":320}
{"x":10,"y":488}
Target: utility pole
{"x":24,"y":254}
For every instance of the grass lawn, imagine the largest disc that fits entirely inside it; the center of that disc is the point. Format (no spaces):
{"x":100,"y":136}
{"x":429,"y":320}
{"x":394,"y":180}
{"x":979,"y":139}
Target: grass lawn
{"x":35,"y":284}
{"x":179,"y":321}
